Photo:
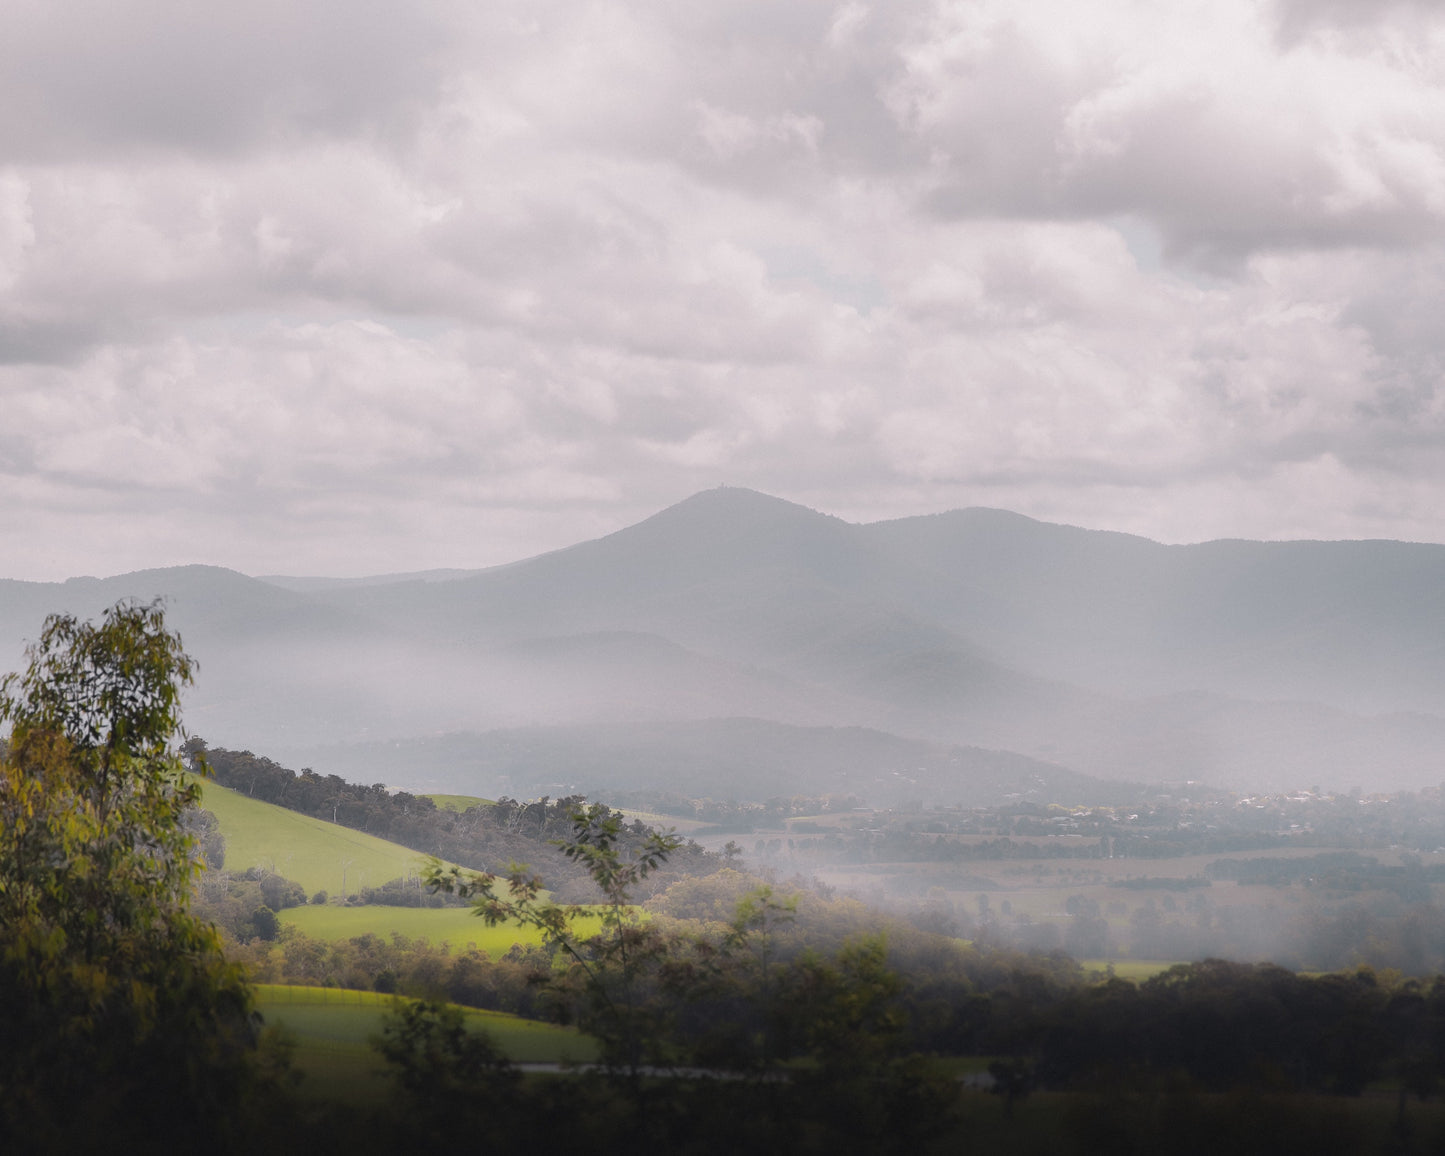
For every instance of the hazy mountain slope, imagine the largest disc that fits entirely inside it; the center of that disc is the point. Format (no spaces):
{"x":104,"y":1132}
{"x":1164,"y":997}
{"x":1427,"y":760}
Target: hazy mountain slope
{"x":310,"y":584}
{"x":734,"y":758}
{"x":729,"y":572}
{"x":1358,"y":624}
{"x":272,"y":663}
{"x":1104,"y":652}
{"x":683,"y":565}
{"x":207,"y":604}
{"x":749,"y":579}
{"x":611,"y":675}
{"x":985,"y":627}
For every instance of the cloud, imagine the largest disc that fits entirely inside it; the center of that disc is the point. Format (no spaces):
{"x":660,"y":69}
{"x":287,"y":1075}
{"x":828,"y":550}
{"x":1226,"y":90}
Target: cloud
{"x":1205,"y":126}
{"x":105,"y":78}
{"x":357,"y":287}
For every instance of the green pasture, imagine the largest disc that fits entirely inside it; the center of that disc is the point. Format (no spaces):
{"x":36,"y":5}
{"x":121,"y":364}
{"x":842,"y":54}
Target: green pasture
{"x":459,"y":803}
{"x":1137,"y":970}
{"x":331,"y":1026}
{"x":663,"y":822}
{"x":321,"y":856}
{"x":454,"y":925}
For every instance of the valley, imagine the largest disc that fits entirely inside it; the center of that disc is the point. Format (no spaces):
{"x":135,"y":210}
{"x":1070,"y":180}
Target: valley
{"x":976,"y":810}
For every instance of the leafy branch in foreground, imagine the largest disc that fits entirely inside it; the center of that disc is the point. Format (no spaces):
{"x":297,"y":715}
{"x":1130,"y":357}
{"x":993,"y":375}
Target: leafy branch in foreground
{"x":611,"y":963}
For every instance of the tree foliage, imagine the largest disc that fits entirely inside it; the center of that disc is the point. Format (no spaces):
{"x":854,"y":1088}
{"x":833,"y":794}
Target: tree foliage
{"x":607,"y":968}
{"x":451,"y":1080}
{"x":119,"y":1010}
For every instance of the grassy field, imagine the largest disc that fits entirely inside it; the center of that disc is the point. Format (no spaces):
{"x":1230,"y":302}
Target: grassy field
{"x":459,"y":803}
{"x":1137,"y":970}
{"x":662,"y":822}
{"x":454,"y":925}
{"x":331,"y":1028}
{"x":318,"y":855}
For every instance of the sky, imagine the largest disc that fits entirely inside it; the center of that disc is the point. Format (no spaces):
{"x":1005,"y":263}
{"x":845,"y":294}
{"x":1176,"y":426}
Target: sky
{"x":360,"y":287}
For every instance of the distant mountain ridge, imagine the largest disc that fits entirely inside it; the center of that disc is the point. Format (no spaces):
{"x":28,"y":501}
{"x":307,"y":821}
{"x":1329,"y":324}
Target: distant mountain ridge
{"x":735,"y":758}
{"x":1248,"y":663}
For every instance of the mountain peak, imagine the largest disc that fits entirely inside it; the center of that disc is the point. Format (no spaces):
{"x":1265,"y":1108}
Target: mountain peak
{"x":739,"y":501}
{"x":727,"y":512}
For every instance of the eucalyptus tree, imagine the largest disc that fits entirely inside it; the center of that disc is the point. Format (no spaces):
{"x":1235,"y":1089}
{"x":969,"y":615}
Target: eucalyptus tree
{"x":607,"y":966}
{"x":118,"y":1008}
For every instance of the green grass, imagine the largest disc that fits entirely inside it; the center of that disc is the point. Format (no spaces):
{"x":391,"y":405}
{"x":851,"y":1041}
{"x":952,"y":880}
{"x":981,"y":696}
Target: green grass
{"x":321,"y":856}
{"x":331,"y":1027}
{"x":454,"y":925}
{"x":460,"y":803}
{"x":1137,"y":970}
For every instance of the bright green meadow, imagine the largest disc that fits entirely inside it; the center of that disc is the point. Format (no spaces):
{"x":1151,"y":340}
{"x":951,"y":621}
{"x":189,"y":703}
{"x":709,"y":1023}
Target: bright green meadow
{"x":331,"y":1028}
{"x":321,"y":856}
{"x":1137,"y":970}
{"x":456,"y":926}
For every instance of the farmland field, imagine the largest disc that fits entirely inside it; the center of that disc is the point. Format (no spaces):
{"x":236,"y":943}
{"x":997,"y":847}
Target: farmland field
{"x":331,"y":1027}
{"x":1137,"y":970}
{"x":663,"y":822}
{"x":321,"y":856}
{"x":454,"y":925}
{"x":459,"y":803}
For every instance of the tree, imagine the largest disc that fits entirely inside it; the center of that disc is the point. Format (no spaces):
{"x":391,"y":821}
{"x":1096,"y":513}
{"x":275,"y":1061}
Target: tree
{"x":120,"y":1014}
{"x":609,"y":966}
{"x":864,"y":1089}
{"x":452,"y":1081}
{"x":754,"y":926}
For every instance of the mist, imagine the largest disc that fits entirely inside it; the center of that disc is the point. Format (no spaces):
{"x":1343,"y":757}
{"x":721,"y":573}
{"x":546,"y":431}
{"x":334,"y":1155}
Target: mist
{"x":923,"y":712}
{"x":1035,"y":735}
{"x":1249,"y":666}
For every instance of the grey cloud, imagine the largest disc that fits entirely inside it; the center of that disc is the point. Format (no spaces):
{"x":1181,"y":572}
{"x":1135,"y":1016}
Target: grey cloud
{"x":1218,"y":191}
{"x":490,"y":278}
{"x":101,"y":77}
{"x":1225,"y":157}
{"x":765,"y":97}
{"x":1400,"y":308}
{"x":1297,"y":19}
{"x":27,"y":341}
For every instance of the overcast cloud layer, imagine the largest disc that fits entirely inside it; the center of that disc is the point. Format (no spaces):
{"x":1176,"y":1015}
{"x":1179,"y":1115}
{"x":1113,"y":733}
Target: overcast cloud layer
{"x":359,"y":287}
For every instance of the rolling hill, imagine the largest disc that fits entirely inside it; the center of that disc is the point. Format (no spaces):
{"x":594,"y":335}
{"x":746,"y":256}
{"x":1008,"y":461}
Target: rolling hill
{"x":321,"y":856}
{"x":326,"y":856}
{"x":733,"y":758}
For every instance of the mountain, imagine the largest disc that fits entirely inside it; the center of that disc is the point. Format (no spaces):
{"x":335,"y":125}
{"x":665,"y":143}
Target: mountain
{"x":1254,"y":664}
{"x":736,"y":758}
